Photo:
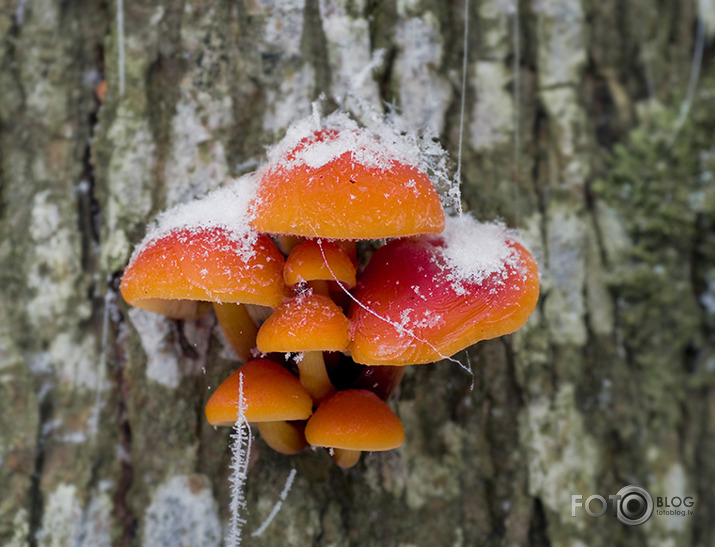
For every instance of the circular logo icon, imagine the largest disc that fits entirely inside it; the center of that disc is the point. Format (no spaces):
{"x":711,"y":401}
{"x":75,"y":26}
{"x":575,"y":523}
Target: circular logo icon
{"x":634,"y":506}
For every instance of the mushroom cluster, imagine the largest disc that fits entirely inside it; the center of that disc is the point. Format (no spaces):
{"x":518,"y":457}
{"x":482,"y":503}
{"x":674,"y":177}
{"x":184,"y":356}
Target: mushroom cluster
{"x":323,"y":337}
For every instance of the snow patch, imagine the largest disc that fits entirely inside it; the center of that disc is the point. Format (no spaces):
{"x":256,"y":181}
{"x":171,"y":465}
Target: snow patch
{"x":225,"y":208}
{"x":474,"y":251}
{"x":382,"y":142}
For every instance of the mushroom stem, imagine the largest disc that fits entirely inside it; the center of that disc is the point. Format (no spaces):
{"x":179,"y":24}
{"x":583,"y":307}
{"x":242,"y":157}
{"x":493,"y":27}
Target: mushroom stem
{"x":320,"y":287}
{"x":382,"y":380}
{"x":286,"y":243}
{"x":314,"y":377}
{"x":345,"y":457}
{"x":283,"y":437}
{"x":348,"y":246}
{"x":238,"y":327}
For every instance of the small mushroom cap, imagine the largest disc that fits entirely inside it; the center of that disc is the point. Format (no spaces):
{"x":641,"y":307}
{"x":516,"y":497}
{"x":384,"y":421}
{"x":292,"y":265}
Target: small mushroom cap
{"x":271,"y":394}
{"x":338,"y":195}
{"x":420,"y":309}
{"x":355,"y":419}
{"x":204,"y":264}
{"x":308,"y":322}
{"x":324,"y":260}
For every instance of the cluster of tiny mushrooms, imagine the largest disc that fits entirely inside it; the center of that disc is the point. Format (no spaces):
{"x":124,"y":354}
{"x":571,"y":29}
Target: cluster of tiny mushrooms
{"x":324,"y":331}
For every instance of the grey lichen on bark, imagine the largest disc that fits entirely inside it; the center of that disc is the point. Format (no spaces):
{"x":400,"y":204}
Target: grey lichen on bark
{"x":570,"y":110}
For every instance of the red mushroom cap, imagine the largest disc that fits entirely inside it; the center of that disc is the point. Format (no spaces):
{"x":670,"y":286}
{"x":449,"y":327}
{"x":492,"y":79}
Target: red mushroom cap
{"x":424,"y":308}
{"x":203,"y":264}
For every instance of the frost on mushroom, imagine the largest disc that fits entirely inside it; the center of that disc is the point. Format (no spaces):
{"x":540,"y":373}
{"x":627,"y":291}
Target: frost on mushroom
{"x":285,"y":238}
{"x":332,"y":178}
{"x":206,"y":252}
{"x":422,"y":299}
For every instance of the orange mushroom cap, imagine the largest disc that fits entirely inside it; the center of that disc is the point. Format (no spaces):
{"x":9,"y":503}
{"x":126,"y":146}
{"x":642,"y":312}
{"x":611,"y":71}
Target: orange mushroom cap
{"x":206,"y":264}
{"x":324,"y":260}
{"x":271,"y":394}
{"x":342,"y":182}
{"x":423,"y":308}
{"x":355,"y":419}
{"x":308,"y":322}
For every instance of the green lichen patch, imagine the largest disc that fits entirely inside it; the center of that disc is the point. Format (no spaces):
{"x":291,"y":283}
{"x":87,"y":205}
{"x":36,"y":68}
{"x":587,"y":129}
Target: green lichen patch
{"x":655,"y":184}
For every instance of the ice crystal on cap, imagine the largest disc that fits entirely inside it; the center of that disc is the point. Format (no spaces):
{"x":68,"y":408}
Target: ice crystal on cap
{"x":382,"y":142}
{"x":474,"y":251}
{"x":225,"y":208}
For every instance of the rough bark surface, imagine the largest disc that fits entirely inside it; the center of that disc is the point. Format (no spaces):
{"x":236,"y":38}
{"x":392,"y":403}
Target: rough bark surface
{"x":579,"y":129}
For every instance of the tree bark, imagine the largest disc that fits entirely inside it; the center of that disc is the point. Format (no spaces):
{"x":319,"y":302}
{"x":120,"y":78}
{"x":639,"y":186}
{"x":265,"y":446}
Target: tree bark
{"x":581,"y":127}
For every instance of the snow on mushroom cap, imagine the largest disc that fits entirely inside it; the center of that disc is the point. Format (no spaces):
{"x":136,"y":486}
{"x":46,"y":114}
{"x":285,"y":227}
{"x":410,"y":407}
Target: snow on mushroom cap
{"x":225,"y":208}
{"x":336,"y":179}
{"x":345,"y":135}
{"x":421,"y":299}
{"x":473,"y":250}
{"x":383,"y":143}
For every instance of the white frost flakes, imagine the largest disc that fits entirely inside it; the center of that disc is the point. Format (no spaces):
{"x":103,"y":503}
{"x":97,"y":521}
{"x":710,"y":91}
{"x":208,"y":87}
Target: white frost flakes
{"x":476,"y":250}
{"x":386,"y":141}
{"x":493,"y":114}
{"x":182,"y":512}
{"x":162,"y":362}
{"x":241,"y":440}
{"x":225,"y":208}
{"x":410,"y":320}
